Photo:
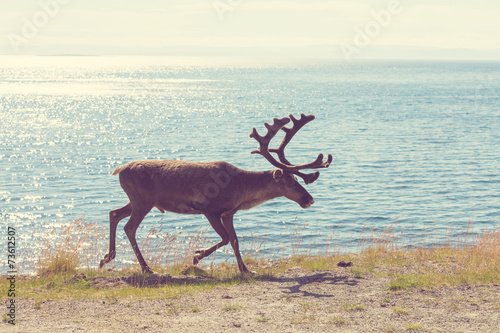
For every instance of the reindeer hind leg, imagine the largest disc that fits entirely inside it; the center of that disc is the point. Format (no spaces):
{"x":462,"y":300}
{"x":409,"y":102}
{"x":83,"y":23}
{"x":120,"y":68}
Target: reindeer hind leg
{"x":115,"y":216}
{"x":216,"y":224}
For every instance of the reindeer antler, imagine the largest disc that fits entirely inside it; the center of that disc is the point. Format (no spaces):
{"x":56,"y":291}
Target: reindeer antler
{"x":290,"y":132}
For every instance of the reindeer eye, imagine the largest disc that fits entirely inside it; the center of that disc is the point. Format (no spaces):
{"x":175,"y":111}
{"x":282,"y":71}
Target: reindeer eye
{"x":290,"y":181}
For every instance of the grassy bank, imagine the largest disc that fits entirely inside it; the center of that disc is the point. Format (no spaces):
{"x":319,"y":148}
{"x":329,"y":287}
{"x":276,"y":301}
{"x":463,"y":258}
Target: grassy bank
{"x":67,"y":253}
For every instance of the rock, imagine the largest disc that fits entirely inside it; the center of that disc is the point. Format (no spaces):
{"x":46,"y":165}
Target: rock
{"x":76,"y":278}
{"x":344,"y":264}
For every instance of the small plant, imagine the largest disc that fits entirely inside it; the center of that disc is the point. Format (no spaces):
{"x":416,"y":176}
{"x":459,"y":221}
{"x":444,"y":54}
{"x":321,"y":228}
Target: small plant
{"x":231,"y":307}
{"x":357,"y":272}
{"x":405,"y":281}
{"x":331,"y":310}
{"x":262,"y":319}
{"x":173,"y":309}
{"x":338,"y":320}
{"x":414,"y":327}
{"x":303,"y":319}
{"x":111,"y":299}
{"x":400,"y":311}
{"x":454,"y":306}
{"x":195,"y":309}
{"x":352,"y":307}
{"x":308,"y":306}
{"x":38,"y":303}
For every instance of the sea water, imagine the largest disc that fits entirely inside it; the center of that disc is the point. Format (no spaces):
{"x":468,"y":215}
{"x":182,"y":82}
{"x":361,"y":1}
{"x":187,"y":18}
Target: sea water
{"x":414,"y":144}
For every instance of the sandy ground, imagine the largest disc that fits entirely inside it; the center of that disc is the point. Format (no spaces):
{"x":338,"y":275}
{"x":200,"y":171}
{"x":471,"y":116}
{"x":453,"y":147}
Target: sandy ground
{"x":296,"y":301}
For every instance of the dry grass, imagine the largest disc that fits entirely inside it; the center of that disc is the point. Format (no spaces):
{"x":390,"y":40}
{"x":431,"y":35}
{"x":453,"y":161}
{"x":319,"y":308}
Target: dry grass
{"x":62,"y":249}
{"x":467,"y":262}
{"x":165,"y":249}
{"x":65,"y":249}
{"x":56,"y":253}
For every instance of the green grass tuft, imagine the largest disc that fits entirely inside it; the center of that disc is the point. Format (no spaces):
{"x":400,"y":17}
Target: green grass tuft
{"x":231,"y":307}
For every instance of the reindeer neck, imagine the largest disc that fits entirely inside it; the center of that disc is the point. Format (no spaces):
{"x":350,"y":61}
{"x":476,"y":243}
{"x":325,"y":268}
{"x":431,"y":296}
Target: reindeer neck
{"x":258,"y":188}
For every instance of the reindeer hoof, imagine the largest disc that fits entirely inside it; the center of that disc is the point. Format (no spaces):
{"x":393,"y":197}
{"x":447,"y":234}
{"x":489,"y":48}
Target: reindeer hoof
{"x":249,"y":272}
{"x":198,"y":255}
{"x":149,"y":271}
{"x":107,"y":258}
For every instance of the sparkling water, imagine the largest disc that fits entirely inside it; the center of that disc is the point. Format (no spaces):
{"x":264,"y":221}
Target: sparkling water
{"x":413,"y":142}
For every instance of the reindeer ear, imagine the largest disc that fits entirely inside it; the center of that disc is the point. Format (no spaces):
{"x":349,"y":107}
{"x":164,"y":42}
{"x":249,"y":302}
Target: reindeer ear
{"x":277,"y":174}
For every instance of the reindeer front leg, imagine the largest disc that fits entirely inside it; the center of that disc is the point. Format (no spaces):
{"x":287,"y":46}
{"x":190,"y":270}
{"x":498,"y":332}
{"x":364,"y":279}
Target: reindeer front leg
{"x":227,"y":221}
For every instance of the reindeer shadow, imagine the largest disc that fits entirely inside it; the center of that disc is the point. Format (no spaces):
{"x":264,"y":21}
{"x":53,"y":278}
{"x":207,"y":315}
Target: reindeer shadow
{"x":140,"y":280}
{"x":289,"y":284}
{"x":296,"y":285}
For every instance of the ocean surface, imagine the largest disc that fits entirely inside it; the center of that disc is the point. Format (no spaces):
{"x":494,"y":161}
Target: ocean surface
{"x":415,"y":145}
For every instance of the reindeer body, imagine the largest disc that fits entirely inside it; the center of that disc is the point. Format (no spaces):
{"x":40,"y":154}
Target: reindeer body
{"x":185,"y":187}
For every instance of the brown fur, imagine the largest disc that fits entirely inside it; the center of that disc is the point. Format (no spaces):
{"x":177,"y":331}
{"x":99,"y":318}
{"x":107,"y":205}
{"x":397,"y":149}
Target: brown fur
{"x":216,"y":189}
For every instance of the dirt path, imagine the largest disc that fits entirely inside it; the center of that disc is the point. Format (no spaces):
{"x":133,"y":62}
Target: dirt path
{"x":297,"y":301}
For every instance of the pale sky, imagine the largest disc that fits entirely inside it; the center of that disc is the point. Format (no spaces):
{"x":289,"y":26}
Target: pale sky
{"x":257,"y":27}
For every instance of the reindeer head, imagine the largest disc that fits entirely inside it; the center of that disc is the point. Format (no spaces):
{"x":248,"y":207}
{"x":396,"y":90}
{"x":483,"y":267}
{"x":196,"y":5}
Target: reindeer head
{"x":284,"y":175}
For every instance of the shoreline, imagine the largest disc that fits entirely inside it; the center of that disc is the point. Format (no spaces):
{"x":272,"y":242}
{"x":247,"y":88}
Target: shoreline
{"x":296,"y":300}
{"x":386,"y":289}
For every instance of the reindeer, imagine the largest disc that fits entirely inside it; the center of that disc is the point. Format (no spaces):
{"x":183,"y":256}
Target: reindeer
{"x":215,"y":189}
